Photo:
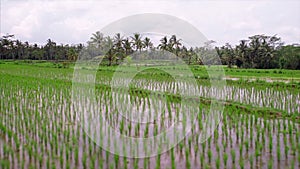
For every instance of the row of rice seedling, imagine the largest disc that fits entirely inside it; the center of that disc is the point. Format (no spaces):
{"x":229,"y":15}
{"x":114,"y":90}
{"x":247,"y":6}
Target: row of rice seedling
{"x":39,"y":126}
{"x":284,"y":100}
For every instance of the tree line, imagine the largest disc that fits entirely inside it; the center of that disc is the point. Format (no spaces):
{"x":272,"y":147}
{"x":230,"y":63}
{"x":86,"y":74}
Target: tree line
{"x":261,"y":51}
{"x":15,"y":49}
{"x":258,"y":51}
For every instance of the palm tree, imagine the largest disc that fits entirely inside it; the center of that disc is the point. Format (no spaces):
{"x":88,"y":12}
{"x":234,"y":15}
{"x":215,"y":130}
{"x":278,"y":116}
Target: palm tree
{"x":50,"y":49}
{"x":12,"y":48}
{"x":229,"y":55}
{"x":137,"y":41}
{"x":96,"y":39}
{"x":242,"y":54}
{"x":254,"y":46}
{"x":19,"y":50}
{"x":109,"y":48}
{"x":163,"y":43}
{"x":26,"y":50}
{"x":7,"y":46}
{"x":147,"y":43}
{"x":127,"y":46}
{"x":118,"y":46}
{"x":111,"y":56}
{"x":118,"y":40}
{"x":190,"y":54}
{"x":174,"y":44}
{"x":108,"y":43}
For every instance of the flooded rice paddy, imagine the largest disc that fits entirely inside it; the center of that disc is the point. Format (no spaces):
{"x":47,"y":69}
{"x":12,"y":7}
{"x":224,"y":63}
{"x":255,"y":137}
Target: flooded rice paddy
{"x":40,"y":126}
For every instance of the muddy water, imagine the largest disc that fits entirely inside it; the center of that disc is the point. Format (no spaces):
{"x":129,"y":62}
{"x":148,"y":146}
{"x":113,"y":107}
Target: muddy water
{"x":250,"y":158}
{"x":41,"y":131}
{"x":49,"y":136}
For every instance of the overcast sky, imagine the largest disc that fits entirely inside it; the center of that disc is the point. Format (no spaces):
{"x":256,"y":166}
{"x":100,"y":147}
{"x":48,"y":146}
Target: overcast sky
{"x":220,"y":20}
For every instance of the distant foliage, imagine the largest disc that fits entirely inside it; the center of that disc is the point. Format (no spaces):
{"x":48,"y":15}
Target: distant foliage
{"x":258,"y":51}
{"x":262,"y":52}
{"x":15,"y":49}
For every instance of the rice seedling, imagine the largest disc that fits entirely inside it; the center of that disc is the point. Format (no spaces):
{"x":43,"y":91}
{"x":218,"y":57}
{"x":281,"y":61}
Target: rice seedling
{"x":278,"y":153}
{"x":157,"y":166}
{"x":241,"y":149}
{"x":202,"y":160}
{"x":251,"y":161}
{"x":286,"y":151}
{"x":173,"y":159}
{"x":270,"y":164}
{"x":225,"y":159}
{"x":241,"y":163}
{"x":188,"y":165}
{"x":218,"y":163}
{"x":38,"y":128}
{"x":209,"y":155}
{"x":232,"y":152}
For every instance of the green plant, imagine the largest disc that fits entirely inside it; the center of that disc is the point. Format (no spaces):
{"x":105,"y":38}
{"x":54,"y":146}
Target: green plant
{"x":218,"y":163}
{"x":233,"y":155}
{"x":225,"y":158}
{"x":172,"y":159}
{"x":242,"y":164}
{"x":270,"y":164}
{"x":209,"y":154}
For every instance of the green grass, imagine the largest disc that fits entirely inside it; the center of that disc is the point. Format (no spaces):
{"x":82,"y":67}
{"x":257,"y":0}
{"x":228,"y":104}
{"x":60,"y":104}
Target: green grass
{"x":263,"y":73}
{"x":198,"y":70}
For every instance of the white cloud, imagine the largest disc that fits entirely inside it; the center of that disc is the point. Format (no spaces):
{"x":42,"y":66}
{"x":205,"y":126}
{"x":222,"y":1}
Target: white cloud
{"x":223,"y":21}
{"x":26,"y":26}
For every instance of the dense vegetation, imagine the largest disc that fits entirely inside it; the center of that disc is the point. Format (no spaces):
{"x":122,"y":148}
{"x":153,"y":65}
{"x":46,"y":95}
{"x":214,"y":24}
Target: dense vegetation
{"x":262,"y":52}
{"x":258,"y":51}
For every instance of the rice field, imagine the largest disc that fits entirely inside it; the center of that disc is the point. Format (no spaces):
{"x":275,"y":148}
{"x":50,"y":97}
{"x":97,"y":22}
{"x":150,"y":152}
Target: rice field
{"x":39,"y":126}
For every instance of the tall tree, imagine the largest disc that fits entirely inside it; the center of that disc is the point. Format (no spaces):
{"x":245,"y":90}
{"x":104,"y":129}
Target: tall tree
{"x":229,"y":55}
{"x":97,"y":39}
{"x":50,"y":49}
{"x":242,"y":54}
{"x":137,"y":41}
{"x":163,"y":43}
{"x":174,"y":45}
{"x":127,"y":45}
{"x":289,"y":57}
{"x":147,"y":43}
{"x":118,"y":46}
